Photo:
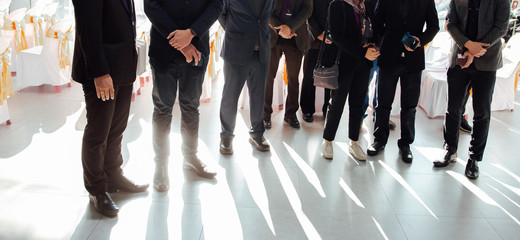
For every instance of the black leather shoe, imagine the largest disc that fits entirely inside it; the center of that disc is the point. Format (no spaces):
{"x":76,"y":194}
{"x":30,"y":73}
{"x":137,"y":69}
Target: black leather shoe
{"x":200,"y":168}
{"x":464,"y":125}
{"x":126,"y":185}
{"x":445,"y":159}
{"x":267,"y":123}
{"x":104,"y":204}
{"x":293,"y":122}
{"x":226,"y":146}
{"x":375,"y":148}
{"x":391,"y":125}
{"x":260,"y":143}
{"x":161,"y":180}
{"x":308,"y":117}
{"x":472,"y":169}
{"x":406,"y":154}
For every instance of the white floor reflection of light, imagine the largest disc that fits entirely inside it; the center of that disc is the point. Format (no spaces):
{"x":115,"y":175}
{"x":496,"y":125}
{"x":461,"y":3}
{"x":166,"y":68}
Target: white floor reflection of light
{"x":403,"y":182}
{"x":516,"y":177}
{"x":509,"y":127}
{"x":513,"y":189}
{"x":430,"y":153}
{"x":350,"y":193}
{"x":479,"y":192}
{"x":344,"y":147}
{"x":501,"y":193}
{"x":373,"y":168}
{"x":309,"y":173}
{"x":257,"y":189}
{"x":380,"y":229}
{"x":293,"y":197}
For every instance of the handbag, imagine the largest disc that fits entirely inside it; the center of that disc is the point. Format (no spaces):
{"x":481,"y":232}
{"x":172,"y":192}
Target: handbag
{"x":326,"y":77}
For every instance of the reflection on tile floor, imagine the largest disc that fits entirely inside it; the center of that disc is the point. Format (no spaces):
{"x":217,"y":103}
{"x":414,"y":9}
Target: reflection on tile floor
{"x":288,"y":193}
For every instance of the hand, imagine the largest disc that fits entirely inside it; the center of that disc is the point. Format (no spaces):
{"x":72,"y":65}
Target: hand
{"x":418,"y":45}
{"x":179,"y":39}
{"x":371,"y":54}
{"x":191,"y":53}
{"x":476,"y":48}
{"x":321,"y":36}
{"x":468,"y":61}
{"x":285,"y":31}
{"x":104,"y":87}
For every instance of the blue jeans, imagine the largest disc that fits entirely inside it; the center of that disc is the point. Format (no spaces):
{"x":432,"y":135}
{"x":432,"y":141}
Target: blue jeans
{"x":374,"y":69}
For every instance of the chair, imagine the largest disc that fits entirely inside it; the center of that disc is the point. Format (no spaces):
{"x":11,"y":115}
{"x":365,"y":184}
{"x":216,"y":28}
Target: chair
{"x":6,"y":84}
{"x":14,"y":27}
{"x":4,"y":6}
{"x":34,"y":24}
{"x":50,"y":63}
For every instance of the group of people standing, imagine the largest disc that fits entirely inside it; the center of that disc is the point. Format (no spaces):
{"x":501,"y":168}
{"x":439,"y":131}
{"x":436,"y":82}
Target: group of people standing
{"x":257,"y":33}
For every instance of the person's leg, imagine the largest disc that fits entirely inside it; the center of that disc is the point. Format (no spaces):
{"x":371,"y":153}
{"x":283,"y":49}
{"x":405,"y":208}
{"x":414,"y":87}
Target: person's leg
{"x":367,"y":96}
{"x":308,"y":91}
{"x":458,"y":83}
{"x":464,"y":125}
{"x":256,"y":83}
{"x":234,"y":78}
{"x":410,"y":91}
{"x":337,"y":103}
{"x":357,"y":94}
{"x":387,"y":83}
{"x":276,"y":54}
{"x":483,"y":84}
{"x":293,"y":59}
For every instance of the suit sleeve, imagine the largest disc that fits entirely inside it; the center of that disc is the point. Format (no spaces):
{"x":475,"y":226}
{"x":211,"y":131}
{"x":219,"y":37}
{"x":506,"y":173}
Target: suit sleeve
{"x":379,"y":19}
{"x":222,"y":19}
{"x":343,"y":40}
{"x":159,"y":18}
{"x":305,"y":12}
{"x":454,"y":26}
{"x":432,"y":24}
{"x":501,"y":22}
{"x":208,"y":17}
{"x":88,"y":14}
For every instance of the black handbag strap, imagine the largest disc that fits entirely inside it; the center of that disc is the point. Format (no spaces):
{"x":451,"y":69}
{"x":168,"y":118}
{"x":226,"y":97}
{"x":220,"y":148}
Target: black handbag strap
{"x":322,"y":45}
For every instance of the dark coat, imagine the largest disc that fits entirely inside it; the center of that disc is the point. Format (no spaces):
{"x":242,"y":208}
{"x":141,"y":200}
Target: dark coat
{"x":301,"y":10}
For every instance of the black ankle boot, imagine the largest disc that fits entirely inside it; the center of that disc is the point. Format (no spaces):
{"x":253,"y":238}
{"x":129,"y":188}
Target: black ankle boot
{"x":161,"y":181}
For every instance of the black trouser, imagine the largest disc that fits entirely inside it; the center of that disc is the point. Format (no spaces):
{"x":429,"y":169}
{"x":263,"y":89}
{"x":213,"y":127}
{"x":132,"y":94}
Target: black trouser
{"x":235,"y":75}
{"x":483,"y":84}
{"x":167,"y":78}
{"x":308,"y":91}
{"x":354,"y":84}
{"x":410,"y":90}
{"x":293,"y":60}
{"x":101,"y":149}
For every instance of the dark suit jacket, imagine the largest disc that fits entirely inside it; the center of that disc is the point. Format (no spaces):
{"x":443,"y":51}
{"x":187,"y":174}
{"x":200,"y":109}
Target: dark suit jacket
{"x":301,"y":10}
{"x":318,"y":21}
{"x":392,"y":25}
{"x":244,"y":29}
{"x":170,"y":15}
{"x":346,"y":34}
{"x":105,"y":41}
{"x":492,"y":26}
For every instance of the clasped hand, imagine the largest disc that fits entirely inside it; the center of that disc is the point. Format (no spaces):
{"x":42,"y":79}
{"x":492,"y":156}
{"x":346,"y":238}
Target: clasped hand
{"x":285,"y":31}
{"x":179,"y":39}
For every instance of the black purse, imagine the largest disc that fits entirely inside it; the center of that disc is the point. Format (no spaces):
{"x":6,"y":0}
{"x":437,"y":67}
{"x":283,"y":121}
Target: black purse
{"x":326,"y":77}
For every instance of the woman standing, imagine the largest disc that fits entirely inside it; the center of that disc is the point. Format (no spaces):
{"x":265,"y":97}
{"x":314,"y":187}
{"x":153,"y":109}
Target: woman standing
{"x":351,"y":31}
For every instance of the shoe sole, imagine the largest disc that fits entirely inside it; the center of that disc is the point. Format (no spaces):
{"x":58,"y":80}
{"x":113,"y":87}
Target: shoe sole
{"x":374,"y":153}
{"x":464,"y":130}
{"x":257,"y":148}
{"x":188,"y":166}
{"x":225,"y":152}
{"x":356,"y":157}
{"x":327,"y":156}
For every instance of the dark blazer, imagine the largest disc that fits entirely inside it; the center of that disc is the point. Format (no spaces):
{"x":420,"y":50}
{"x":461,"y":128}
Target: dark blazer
{"x":346,"y":34}
{"x":392,"y":25}
{"x":493,"y":21}
{"x":105,"y":41}
{"x":244,"y":29}
{"x":318,"y":20}
{"x":301,"y":10}
{"x":167,"y":16}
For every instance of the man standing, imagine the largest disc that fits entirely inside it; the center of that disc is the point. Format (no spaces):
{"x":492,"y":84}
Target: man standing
{"x":105,"y":63}
{"x":246,"y":54}
{"x":290,"y":36}
{"x":476,"y":26}
{"x":179,"y":53}
{"x":402,"y":57}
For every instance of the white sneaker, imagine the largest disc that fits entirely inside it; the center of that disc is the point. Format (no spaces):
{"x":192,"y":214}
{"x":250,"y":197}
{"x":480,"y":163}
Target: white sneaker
{"x":326,"y":149}
{"x":356,"y":151}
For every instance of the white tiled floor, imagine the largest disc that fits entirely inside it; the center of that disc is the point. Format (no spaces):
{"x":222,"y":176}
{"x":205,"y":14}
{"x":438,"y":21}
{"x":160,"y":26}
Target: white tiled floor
{"x":288,"y":193}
